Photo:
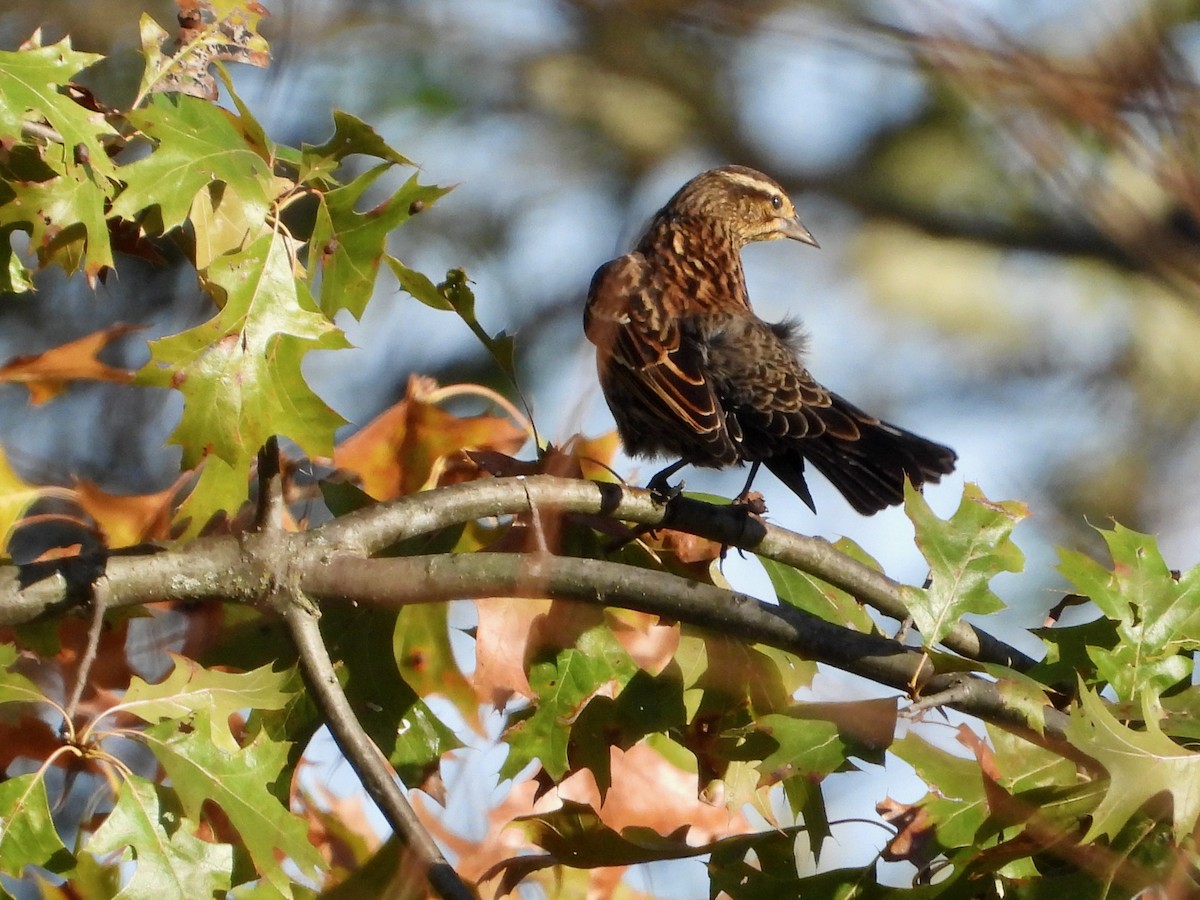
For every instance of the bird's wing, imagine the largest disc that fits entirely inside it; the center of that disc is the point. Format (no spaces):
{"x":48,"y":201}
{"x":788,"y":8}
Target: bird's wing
{"x":788,"y":417}
{"x":758,"y":373}
{"x":648,"y":354}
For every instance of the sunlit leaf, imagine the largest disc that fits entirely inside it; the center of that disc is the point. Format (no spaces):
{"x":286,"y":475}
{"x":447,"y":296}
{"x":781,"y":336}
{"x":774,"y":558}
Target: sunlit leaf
{"x":16,"y":496}
{"x":27,"y":833}
{"x":31,"y":87}
{"x":240,"y":372}
{"x":202,"y":772}
{"x":170,"y":860}
{"x":350,"y":245}
{"x":1140,"y":764}
{"x":189,"y":688}
{"x":408,"y":447}
{"x":15,"y":687}
{"x":65,"y":218}
{"x":561,"y":687}
{"x":198,"y":143}
{"x":1157,"y":615}
{"x":124,"y":519}
{"x":964,"y":553}
{"x":811,"y":594}
{"x":957,"y":804}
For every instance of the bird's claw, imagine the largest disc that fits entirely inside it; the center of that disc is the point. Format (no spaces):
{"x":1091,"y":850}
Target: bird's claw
{"x":662,"y":491}
{"x":751,"y":501}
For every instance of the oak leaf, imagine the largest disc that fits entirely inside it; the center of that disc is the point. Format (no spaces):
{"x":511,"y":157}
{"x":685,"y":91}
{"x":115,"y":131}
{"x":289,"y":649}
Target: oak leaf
{"x":46,"y":375}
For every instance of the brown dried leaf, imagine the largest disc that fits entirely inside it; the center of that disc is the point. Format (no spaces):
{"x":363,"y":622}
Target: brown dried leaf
{"x":647,"y":791}
{"x":131,"y":519}
{"x":209,"y":30}
{"x":501,"y":643}
{"x":650,"y":641}
{"x":46,"y":375}
{"x":914,"y":831}
{"x":416,"y":444}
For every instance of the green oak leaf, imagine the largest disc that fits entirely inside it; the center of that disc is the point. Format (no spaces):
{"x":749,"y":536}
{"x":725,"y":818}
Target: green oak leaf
{"x":15,"y":276}
{"x":65,"y":218}
{"x":347,"y":246}
{"x":351,"y":135}
{"x":32,"y":85}
{"x":811,"y":594}
{"x":239,"y":373}
{"x":1140,"y":764}
{"x":220,"y":488}
{"x":190,"y":688}
{"x":170,"y":860}
{"x":1157,"y":617}
{"x":198,"y":143}
{"x":964,"y":552}
{"x":27,"y":833}
{"x":14,"y":687}
{"x":239,"y":783}
{"x":782,"y":745}
{"x":647,"y":704}
{"x":957,"y":805}
{"x":562,"y":685}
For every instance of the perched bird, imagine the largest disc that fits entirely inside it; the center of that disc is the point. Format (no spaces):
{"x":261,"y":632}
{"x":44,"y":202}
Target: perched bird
{"x":690,"y":371}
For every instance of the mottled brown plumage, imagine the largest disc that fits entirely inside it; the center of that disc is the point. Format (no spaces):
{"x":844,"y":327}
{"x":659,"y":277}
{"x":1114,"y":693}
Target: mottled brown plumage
{"x":690,"y":371}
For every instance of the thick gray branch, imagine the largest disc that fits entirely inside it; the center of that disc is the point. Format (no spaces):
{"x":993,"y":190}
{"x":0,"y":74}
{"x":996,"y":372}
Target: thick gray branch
{"x":373,"y":529}
{"x":424,"y":579}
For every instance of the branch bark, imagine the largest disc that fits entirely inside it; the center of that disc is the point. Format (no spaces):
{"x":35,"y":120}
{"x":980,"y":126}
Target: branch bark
{"x":429,"y":579}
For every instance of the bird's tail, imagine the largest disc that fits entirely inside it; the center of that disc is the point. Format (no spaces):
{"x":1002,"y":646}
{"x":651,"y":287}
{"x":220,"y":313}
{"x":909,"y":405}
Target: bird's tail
{"x":868,"y":470}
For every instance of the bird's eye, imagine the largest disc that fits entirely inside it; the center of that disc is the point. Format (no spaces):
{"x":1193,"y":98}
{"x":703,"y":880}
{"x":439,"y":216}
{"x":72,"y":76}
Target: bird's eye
{"x":776,"y":202}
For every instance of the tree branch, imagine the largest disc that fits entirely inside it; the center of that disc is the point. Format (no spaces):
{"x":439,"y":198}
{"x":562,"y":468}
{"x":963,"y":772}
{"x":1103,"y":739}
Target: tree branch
{"x":215,"y":568}
{"x":367,"y":760}
{"x":371,"y":530}
{"x":426,"y":579}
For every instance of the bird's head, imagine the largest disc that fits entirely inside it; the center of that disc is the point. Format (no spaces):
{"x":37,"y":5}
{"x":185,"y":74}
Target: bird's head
{"x":745,"y":204}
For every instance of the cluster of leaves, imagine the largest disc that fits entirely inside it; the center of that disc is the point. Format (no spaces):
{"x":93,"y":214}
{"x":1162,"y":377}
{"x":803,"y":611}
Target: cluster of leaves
{"x":648,"y":739}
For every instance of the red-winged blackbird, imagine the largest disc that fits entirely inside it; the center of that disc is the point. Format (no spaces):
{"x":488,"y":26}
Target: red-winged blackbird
{"x":689,"y":370}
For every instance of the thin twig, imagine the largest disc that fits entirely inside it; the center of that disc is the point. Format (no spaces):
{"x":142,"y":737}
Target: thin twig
{"x":270,"y":510}
{"x":367,"y":760}
{"x":88,"y":659}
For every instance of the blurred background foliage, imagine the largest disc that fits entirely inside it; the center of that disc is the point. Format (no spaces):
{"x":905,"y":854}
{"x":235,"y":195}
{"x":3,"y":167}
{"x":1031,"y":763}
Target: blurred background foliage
{"x":1006,"y":193}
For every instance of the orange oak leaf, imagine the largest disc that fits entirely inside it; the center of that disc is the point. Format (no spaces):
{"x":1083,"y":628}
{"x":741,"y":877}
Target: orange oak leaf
{"x":129,"y":520}
{"x":502,"y":640}
{"x":46,"y":375}
{"x":647,"y":791}
{"x":416,"y":444}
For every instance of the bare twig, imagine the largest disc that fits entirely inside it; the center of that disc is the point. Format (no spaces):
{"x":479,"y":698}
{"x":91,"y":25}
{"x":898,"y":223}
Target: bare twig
{"x":367,"y":760}
{"x":88,"y":659}
{"x":269,"y":513}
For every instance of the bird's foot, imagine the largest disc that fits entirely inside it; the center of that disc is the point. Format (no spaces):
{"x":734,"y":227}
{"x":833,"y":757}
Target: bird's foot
{"x":662,"y":491}
{"x":751,"y":501}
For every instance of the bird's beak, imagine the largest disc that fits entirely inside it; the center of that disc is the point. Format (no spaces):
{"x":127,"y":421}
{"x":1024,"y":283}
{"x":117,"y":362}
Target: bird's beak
{"x":794,"y":229}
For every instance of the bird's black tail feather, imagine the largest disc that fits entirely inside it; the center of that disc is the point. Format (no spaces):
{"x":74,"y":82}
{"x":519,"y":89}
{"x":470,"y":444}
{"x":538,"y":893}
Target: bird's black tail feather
{"x":868,"y":471}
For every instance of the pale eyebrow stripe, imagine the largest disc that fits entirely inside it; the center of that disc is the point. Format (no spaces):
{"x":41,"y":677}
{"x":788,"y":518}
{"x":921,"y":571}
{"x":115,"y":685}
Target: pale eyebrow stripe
{"x":751,"y":183}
